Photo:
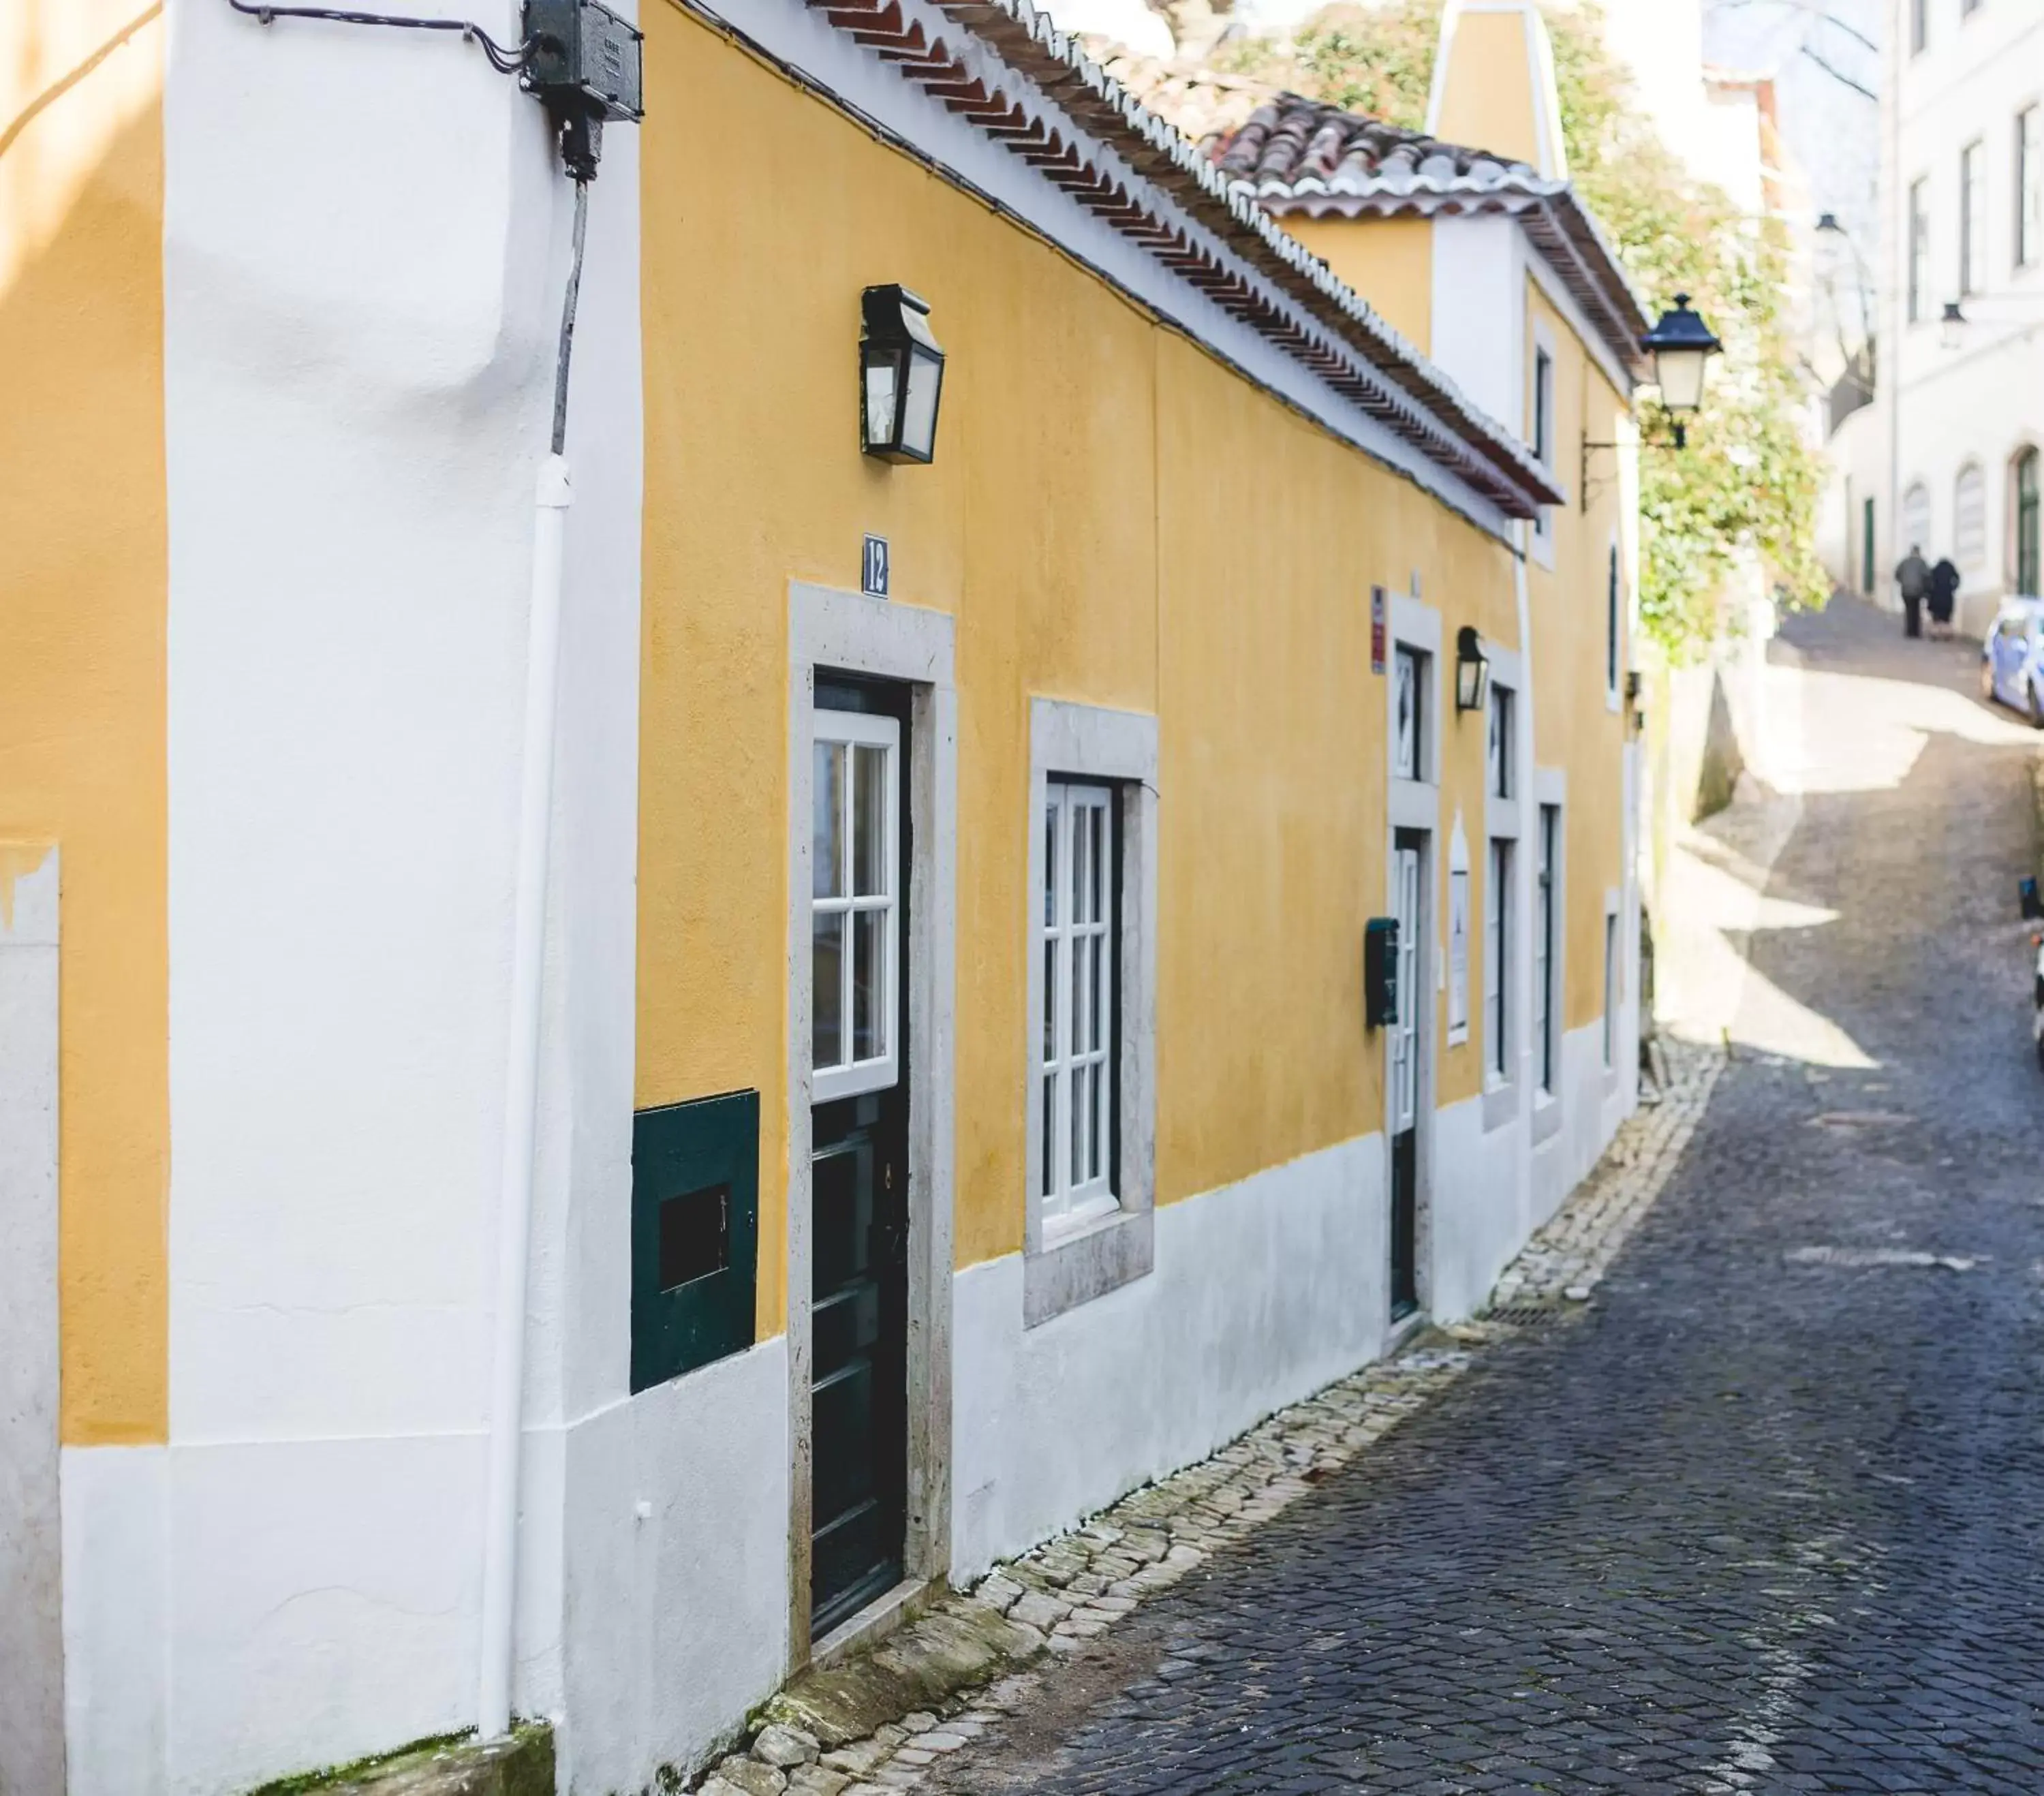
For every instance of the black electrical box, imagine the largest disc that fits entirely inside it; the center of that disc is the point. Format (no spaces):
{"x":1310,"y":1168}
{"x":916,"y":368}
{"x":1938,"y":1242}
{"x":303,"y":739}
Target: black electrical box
{"x":1380,"y":972}
{"x":585,"y":59}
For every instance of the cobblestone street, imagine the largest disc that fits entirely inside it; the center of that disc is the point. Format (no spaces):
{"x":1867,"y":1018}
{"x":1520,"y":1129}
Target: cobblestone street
{"x":1765,"y":1515}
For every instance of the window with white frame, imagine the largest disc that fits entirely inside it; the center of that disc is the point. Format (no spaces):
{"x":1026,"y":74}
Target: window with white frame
{"x":2029,"y":186}
{"x":1496,"y":957}
{"x":1501,"y":775}
{"x":1077,"y":940}
{"x":1543,"y":425}
{"x":856,"y":948}
{"x":1973,"y":218}
{"x":1919,"y":250}
{"x":1546,"y":893}
{"x":1408,"y":713}
{"x":1969,"y":516}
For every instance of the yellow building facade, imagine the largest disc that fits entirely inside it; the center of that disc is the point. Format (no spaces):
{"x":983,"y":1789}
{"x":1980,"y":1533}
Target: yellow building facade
{"x":974,"y":1076}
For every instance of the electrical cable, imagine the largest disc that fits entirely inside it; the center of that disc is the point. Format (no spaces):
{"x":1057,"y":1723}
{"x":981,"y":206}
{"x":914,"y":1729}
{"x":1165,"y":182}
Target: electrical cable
{"x":503,"y":61}
{"x":568,"y":319}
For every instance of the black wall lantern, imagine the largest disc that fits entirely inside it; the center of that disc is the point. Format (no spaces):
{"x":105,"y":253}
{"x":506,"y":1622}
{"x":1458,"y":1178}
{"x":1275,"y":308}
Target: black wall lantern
{"x":901,"y":376}
{"x":1472,"y":670}
{"x":1681,"y":345}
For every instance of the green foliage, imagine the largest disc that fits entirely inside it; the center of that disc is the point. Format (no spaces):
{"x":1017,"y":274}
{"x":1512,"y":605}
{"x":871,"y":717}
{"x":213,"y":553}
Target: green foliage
{"x":1748,"y":484}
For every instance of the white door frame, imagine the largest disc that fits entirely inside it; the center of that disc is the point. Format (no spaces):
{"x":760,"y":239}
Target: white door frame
{"x":1415,"y":804}
{"x":851,"y":633}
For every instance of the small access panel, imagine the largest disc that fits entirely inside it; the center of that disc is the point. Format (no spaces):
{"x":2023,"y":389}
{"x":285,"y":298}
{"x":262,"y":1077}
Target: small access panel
{"x":695,"y":1234}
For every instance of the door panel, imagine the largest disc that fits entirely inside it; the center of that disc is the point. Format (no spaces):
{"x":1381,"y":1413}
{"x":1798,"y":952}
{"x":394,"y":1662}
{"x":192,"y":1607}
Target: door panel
{"x":858,"y":1186}
{"x":1408,"y":1040}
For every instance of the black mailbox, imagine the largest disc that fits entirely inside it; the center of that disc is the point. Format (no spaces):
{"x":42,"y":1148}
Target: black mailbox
{"x":1380,"y":972}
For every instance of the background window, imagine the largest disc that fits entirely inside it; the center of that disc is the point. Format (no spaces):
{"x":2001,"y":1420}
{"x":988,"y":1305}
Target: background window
{"x":1866,"y":562}
{"x":855,"y":923}
{"x":1547,"y":870}
{"x":1973,"y":218}
{"x":1501,"y":778}
{"x":1496,"y":946}
{"x":1613,"y":617}
{"x":1916,"y":520}
{"x":1919,"y":249}
{"x":1543,"y":424}
{"x":1408,"y":714}
{"x":2029,"y":186}
{"x":1078,"y":909}
{"x":1970,"y":516}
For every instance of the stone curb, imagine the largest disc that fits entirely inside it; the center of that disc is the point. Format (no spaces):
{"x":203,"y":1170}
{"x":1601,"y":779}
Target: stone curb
{"x":881,"y":1721}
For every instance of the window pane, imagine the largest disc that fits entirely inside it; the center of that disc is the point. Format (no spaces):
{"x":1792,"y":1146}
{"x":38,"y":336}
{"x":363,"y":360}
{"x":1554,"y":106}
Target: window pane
{"x":1097,"y":885}
{"x":1082,"y":1117}
{"x":1082,"y":867}
{"x":869,"y":985}
{"x":827,"y":991}
{"x":1085,"y":1035}
{"x":827,"y":806}
{"x":1050,"y":1161}
{"x":869,"y":821}
{"x":1099,"y":1128}
{"x":1049,"y":1002}
{"x":1103,"y":992}
{"x":1051,"y":863}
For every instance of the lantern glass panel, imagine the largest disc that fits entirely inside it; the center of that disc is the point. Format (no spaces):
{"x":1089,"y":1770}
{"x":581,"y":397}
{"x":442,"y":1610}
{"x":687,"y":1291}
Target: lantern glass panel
{"x":1680,"y":373}
{"x":882,"y":387}
{"x":918,"y":414}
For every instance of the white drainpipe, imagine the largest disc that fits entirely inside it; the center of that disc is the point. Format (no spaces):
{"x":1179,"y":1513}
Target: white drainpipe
{"x":521,"y":1074}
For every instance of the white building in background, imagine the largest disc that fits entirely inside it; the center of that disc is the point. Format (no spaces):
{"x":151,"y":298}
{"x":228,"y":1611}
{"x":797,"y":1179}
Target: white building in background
{"x":1962,"y":403}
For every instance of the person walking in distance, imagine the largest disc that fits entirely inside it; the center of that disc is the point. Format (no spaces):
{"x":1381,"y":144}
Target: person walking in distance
{"x":1944,"y":597}
{"x":1913,"y":577}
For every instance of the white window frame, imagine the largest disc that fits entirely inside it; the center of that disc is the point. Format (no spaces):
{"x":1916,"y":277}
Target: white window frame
{"x":1916,"y":247}
{"x":1498,"y":872}
{"x":1416,"y":766}
{"x":1550,"y":792}
{"x":1503,"y":822}
{"x":1081,"y":852}
{"x":1970,"y":516}
{"x":1974,"y":273}
{"x":1616,"y":611}
{"x":1069,"y":1260}
{"x":849,"y":1078}
{"x":1542,"y":427}
{"x":2029,"y":161}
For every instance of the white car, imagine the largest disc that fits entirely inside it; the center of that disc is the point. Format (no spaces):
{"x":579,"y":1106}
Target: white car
{"x":2012,"y":658}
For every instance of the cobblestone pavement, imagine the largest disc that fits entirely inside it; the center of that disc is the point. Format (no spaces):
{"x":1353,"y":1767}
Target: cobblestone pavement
{"x":1766,"y":1515}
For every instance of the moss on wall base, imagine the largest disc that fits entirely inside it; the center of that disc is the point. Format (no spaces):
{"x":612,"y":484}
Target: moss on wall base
{"x":450,"y":1765}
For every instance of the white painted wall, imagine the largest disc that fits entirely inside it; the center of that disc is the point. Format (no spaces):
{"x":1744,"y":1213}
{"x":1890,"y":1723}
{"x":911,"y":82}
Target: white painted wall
{"x":365,"y":240}
{"x":1480,"y":1195}
{"x":32,"y":1759}
{"x":1263,"y":1292}
{"x":677,"y":1624}
{"x":1986,"y":400}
